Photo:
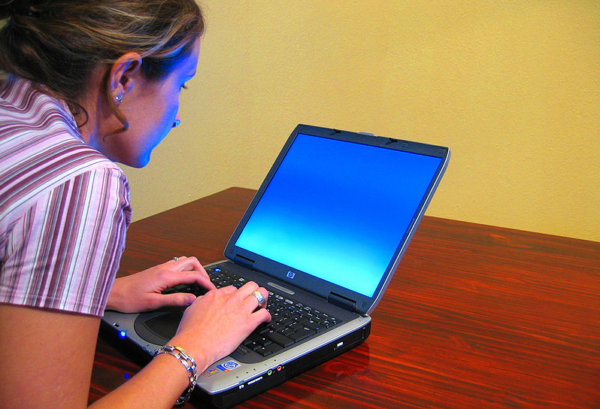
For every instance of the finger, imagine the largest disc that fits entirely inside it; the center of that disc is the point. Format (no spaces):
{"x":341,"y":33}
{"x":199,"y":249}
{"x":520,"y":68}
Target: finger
{"x":260,"y":298}
{"x":265,"y":294}
{"x":230,"y":289}
{"x":173,"y":300}
{"x":188,"y":263}
{"x":259,"y":316}
{"x":247,"y":289}
{"x":188,"y":277}
{"x":192,"y":264}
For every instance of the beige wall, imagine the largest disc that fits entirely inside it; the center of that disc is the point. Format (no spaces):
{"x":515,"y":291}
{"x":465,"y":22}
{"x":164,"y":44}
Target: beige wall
{"x":512,"y":86}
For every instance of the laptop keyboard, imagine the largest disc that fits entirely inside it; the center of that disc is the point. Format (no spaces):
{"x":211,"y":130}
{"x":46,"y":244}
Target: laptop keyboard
{"x":291,"y":322}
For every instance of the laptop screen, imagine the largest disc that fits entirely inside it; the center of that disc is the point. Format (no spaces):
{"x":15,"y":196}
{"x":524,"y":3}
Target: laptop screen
{"x":338,"y":210}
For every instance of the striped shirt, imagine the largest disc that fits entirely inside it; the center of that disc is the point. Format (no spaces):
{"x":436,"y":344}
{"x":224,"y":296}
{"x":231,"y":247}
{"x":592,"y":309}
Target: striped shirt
{"x":64,"y":207}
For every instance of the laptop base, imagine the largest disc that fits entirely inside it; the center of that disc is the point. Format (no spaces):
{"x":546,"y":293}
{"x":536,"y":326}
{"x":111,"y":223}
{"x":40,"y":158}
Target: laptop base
{"x":252,"y":387}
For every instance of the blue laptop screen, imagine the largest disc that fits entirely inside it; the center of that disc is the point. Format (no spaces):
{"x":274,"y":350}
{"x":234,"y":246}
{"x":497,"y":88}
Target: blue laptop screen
{"x":338,"y":210}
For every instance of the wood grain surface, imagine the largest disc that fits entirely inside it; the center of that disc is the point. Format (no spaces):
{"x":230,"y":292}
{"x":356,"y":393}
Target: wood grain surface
{"x":475,"y":317}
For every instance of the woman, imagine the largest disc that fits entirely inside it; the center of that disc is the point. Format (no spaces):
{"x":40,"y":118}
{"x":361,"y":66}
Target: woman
{"x":90,"y":83}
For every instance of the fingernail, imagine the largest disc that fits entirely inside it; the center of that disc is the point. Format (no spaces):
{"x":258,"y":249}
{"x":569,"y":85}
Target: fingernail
{"x":190,"y":299}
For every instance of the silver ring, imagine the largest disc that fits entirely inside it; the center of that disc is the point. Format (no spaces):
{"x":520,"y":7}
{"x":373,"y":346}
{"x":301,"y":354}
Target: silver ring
{"x":175,"y":258}
{"x":260,"y":298}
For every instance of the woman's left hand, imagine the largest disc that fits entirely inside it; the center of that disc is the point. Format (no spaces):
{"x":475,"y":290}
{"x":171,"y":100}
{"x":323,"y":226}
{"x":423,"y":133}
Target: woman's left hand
{"x":143,"y":291}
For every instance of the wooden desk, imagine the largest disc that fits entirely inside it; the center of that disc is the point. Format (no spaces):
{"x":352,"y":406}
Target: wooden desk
{"x":476,"y":317}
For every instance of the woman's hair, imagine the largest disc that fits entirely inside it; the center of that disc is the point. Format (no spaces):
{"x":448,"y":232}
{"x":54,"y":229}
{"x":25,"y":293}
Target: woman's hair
{"x":59,"y":44}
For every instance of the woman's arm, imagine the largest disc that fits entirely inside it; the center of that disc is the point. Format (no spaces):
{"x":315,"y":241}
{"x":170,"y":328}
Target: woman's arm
{"x":47,"y":356}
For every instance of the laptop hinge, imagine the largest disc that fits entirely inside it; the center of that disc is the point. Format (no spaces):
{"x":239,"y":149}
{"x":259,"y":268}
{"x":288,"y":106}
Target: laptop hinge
{"x":342,"y":302}
{"x":245,"y":261}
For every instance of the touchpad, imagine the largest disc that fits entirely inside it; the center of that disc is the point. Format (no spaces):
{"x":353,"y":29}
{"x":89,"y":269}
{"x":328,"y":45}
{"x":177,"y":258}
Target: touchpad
{"x":158,"y":327}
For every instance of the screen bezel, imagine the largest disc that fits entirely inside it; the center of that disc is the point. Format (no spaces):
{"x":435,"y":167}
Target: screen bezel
{"x":363,"y":304}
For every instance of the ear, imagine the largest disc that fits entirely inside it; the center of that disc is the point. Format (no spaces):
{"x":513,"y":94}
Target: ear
{"x":124,"y":74}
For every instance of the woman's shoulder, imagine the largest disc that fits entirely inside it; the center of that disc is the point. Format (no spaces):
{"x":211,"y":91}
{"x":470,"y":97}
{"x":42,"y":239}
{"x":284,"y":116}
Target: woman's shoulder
{"x":41,"y":148}
{"x":27,"y":108}
{"x":38,"y":132}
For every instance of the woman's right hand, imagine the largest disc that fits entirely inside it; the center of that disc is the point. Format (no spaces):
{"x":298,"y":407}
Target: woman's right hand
{"x":217,"y":323}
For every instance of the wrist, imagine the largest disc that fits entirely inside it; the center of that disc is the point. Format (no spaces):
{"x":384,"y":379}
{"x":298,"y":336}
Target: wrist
{"x":188,"y":363}
{"x":198,"y":354}
{"x":115,"y":297}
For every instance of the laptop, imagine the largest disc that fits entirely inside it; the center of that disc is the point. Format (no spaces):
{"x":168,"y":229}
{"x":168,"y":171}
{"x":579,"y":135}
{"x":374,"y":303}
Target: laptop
{"x":324,"y":235}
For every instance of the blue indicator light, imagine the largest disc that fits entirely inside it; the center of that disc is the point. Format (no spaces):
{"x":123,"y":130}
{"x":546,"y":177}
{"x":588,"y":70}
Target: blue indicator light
{"x":122,"y":334}
{"x":217,"y":270}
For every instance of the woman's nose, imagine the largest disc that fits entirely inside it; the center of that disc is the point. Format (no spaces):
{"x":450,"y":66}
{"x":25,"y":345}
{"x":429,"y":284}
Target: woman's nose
{"x":177,"y":121}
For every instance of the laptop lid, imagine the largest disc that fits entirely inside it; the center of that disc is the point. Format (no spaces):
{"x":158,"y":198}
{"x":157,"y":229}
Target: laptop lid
{"x":336,"y":212}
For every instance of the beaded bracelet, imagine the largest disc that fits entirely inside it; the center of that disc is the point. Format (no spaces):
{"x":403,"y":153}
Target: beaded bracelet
{"x":190,"y":367}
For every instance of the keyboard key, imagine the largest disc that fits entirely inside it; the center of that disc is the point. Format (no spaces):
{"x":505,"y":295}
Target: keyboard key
{"x":302,"y":334}
{"x":279,"y":339}
{"x":288,"y":331}
{"x":264,"y":351}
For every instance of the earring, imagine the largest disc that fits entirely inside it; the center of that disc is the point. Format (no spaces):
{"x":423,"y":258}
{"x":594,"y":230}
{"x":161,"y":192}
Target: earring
{"x":118,"y":99}
{"x":176,"y":123}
